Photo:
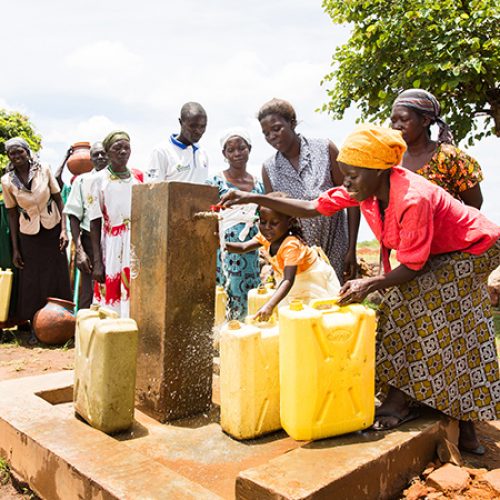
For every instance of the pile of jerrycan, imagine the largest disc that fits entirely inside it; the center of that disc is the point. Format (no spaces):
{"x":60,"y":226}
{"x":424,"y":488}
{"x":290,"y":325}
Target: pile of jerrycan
{"x":309,"y":370}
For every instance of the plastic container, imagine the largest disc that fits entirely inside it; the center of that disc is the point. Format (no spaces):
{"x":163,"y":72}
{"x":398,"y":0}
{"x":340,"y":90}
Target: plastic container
{"x":257,"y":297}
{"x":327,"y":369}
{"x":105,"y":369}
{"x":220,"y":305}
{"x":79,"y":161}
{"x":249,"y":379}
{"x":6,"y":278}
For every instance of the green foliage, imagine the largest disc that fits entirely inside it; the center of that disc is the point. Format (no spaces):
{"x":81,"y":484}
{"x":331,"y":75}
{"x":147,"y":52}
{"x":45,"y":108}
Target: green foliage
{"x":449,"y":47}
{"x":14,"y":124}
{"x":4,"y":471}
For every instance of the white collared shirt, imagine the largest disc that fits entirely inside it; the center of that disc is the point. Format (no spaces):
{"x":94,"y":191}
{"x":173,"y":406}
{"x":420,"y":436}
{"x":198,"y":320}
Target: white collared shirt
{"x":175,"y":161}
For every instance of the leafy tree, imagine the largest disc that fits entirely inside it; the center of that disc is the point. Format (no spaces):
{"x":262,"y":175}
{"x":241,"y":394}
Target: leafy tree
{"x":449,"y":47}
{"x":14,"y":124}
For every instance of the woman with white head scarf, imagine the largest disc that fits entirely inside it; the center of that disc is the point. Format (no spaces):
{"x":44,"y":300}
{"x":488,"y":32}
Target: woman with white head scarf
{"x":237,"y":273}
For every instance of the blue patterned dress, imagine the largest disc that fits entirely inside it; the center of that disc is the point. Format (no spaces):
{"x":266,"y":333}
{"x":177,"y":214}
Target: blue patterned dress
{"x":243,"y":271}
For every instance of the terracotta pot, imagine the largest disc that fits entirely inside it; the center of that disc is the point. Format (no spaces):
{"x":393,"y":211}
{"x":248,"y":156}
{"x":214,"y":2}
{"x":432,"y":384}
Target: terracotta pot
{"x":55,"y":322}
{"x":79,"y":161}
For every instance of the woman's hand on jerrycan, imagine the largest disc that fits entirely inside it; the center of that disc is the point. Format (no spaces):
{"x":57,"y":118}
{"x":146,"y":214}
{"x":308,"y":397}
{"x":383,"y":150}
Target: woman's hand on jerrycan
{"x":233,"y":197}
{"x":354,"y":291}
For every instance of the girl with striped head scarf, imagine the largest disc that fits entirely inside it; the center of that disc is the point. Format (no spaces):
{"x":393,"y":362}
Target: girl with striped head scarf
{"x":441,"y":162}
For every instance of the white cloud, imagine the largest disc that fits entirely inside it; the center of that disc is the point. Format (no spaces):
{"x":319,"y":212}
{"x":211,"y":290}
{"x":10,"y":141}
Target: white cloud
{"x":107,"y":65}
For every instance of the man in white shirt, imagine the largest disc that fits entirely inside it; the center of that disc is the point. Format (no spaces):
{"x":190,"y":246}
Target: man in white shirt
{"x":180,"y":158}
{"x":77,"y":209}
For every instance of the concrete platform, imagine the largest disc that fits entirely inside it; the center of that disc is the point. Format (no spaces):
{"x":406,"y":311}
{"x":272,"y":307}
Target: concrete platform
{"x":61,"y":457}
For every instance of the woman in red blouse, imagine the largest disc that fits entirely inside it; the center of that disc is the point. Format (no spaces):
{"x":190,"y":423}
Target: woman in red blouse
{"x":436,"y":342}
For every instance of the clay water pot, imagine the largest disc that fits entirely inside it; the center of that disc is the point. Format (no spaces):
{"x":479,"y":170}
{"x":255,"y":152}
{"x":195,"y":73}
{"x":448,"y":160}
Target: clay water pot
{"x":55,"y":322}
{"x":79,"y":161}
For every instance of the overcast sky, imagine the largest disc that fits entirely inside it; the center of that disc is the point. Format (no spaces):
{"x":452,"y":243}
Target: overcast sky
{"x":80,"y":69}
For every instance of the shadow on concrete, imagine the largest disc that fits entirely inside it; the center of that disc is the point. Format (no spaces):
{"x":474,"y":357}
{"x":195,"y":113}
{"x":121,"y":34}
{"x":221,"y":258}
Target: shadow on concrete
{"x":135,"y":432}
{"x":212,"y":416}
{"x":359,"y":437}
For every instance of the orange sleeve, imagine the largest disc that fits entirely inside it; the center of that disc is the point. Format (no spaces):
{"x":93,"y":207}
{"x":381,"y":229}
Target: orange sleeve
{"x":292,"y":252}
{"x":261,"y":240}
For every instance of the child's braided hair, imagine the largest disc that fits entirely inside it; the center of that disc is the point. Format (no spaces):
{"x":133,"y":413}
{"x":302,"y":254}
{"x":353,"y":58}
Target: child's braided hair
{"x":295,"y":229}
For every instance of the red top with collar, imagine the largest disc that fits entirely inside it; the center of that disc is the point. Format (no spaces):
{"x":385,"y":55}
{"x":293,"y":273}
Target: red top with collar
{"x":421,"y":219}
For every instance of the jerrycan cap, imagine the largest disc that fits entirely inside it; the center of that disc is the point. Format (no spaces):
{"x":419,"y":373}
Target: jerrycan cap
{"x":219,"y":288}
{"x":262,"y":290}
{"x":234,"y":324}
{"x":296,"y":305}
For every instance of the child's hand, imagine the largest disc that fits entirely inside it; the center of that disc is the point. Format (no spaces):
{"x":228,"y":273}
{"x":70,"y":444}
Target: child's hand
{"x":264,"y":313}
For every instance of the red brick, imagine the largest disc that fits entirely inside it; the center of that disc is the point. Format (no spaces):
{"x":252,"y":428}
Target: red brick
{"x":449,"y":478}
{"x":493,"y":479}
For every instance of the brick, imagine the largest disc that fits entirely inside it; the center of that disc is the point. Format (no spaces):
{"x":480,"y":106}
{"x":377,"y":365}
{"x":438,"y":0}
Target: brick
{"x":493,"y":479}
{"x":449,"y":478}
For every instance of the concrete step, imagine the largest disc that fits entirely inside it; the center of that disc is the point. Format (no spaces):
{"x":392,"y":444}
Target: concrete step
{"x":62,"y":457}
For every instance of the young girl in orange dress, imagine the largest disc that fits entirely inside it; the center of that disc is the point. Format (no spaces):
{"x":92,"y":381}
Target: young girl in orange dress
{"x":303,"y":272}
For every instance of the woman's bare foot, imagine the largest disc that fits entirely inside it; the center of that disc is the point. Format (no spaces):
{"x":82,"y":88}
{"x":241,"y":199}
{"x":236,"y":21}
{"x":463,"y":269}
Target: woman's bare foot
{"x":468,"y":440}
{"x":393,"y":411}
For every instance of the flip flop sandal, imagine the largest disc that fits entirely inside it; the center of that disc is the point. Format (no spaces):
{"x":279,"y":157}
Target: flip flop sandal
{"x":412,"y":415}
{"x":480,"y":450}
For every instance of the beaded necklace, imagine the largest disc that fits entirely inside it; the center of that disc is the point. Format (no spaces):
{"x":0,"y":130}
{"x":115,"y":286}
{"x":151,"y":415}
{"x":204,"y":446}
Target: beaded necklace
{"x":119,"y":175}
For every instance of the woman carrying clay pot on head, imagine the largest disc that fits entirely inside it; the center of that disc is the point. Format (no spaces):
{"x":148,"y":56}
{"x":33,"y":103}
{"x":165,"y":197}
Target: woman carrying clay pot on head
{"x":38,"y":233}
{"x":413,"y":113}
{"x":109,"y":213}
{"x":435,"y":336}
{"x":237,"y":273}
{"x":304,"y":168}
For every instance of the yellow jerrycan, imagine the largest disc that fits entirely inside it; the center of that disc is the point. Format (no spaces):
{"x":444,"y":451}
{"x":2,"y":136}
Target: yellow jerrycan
{"x":105,"y":369}
{"x":327,"y":368}
{"x":5,"y":291}
{"x":257,"y":297}
{"x":220,"y":305}
{"x":249,"y":379}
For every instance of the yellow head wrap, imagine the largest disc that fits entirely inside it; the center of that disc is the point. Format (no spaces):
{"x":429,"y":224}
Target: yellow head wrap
{"x":375,"y":147}
{"x":113,"y":137}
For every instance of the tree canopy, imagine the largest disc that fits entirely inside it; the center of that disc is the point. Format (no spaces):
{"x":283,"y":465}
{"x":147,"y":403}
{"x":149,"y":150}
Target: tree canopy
{"x":14,"y":124}
{"x":448,"y":47}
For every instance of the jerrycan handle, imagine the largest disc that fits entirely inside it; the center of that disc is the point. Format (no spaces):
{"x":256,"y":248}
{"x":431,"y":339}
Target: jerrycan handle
{"x":105,"y":313}
{"x":326,"y":306}
{"x":249,"y":320}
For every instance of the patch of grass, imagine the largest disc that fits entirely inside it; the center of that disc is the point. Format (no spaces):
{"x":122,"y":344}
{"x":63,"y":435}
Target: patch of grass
{"x":4,"y":471}
{"x":368,"y":244}
{"x":9,"y":339}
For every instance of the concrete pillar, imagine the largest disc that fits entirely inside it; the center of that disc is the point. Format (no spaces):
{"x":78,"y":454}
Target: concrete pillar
{"x":172,"y":296}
